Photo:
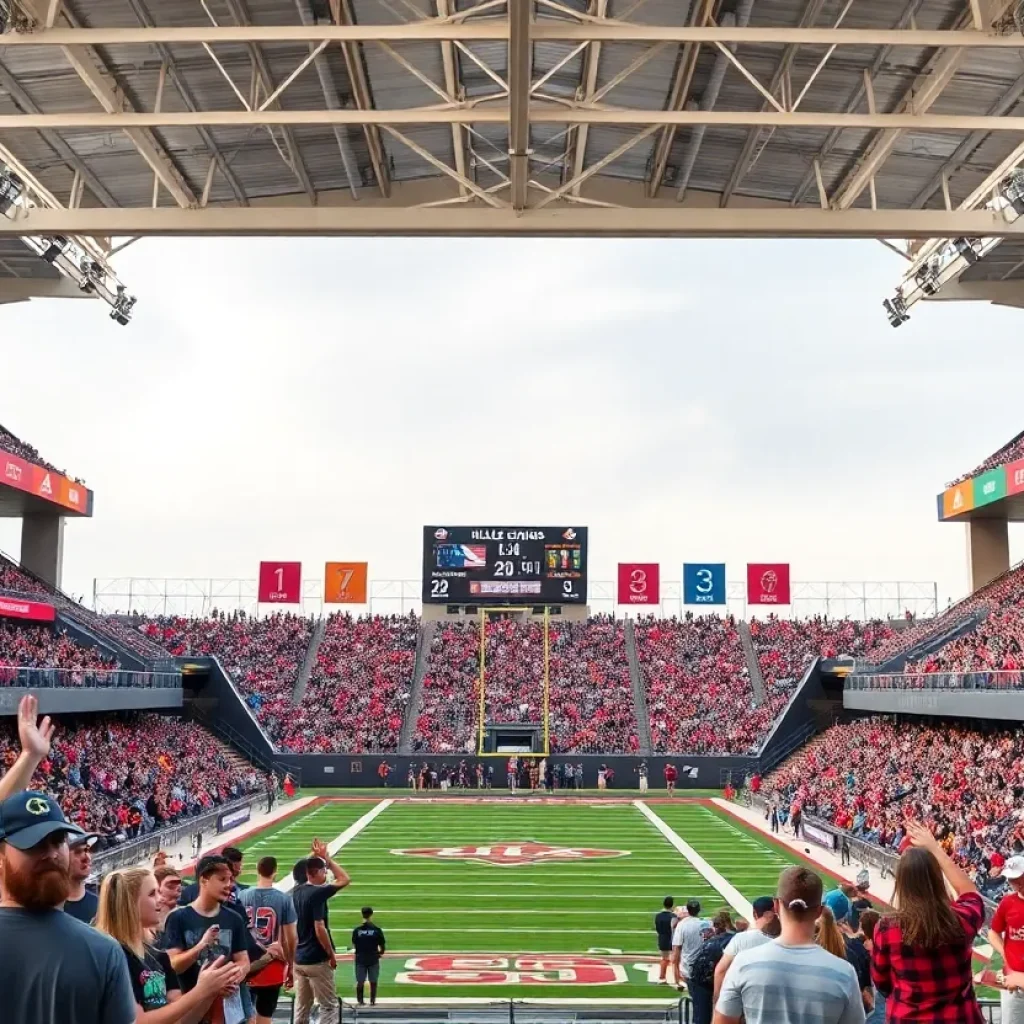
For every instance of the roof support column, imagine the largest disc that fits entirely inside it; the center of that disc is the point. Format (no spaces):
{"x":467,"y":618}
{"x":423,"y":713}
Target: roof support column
{"x":520,"y":76}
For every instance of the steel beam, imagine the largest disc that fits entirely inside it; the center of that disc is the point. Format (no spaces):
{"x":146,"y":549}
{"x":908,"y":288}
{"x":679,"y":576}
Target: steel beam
{"x":498,"y":30}
{"x":546,"y":114}
{"x":520,"y":77}
{"x":568,"y":220}
{"x":453,"y":85}
{"x":588,"y":86}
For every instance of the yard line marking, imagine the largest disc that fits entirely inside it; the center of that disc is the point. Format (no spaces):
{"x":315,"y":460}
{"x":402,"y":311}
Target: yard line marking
{"x":710,"y":875}
{"x":287,"y":884}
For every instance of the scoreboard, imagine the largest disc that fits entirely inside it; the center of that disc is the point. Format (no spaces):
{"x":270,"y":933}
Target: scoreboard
{"x":499,"y":565}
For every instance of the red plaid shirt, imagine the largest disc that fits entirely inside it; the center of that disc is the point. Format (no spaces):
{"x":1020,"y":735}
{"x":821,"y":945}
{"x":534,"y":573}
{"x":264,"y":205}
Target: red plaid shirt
{"x":932,"y":985}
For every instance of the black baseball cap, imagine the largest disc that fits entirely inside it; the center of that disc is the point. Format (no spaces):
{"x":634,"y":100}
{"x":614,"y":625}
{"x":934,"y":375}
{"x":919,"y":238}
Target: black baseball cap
{"x":27,"y":818}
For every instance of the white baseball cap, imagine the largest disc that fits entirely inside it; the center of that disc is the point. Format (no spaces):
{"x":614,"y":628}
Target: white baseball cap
{"x":1013,"y":868}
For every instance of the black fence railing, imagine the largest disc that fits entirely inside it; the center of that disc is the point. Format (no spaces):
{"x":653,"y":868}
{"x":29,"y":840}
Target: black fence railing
{"x":1002,"y":681}
{"x":78,"y":678}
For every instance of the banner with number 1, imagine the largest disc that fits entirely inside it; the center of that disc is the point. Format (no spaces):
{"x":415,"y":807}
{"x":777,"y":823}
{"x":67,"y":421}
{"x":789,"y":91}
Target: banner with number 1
{"x":280,"y":583}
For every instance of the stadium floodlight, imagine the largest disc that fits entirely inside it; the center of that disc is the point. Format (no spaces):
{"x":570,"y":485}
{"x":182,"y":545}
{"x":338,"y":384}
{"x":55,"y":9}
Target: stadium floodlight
{"x":123,"y":306}
{"x":928,"y":276}
{"x":11,"y":188}
{"x":896,"y":310}
{"x":968,"y":248}
{"x":55,"y":247}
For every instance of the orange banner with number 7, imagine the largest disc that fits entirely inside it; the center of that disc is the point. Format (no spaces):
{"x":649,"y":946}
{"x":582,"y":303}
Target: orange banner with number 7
{"x":345,"y":582}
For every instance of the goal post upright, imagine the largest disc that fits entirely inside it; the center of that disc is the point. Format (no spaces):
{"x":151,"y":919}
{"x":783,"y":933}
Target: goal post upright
{"x":546,"y":685}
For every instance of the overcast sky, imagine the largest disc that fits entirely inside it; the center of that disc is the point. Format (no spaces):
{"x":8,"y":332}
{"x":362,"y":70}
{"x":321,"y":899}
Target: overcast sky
{"x":323,"y":399}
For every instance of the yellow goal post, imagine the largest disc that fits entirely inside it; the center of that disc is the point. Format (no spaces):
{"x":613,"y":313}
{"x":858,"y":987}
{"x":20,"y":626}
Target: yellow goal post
{"x":546,"y":696}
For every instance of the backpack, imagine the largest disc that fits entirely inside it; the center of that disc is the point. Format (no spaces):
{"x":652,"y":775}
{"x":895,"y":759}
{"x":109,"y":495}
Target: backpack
{"x":703,"y":970}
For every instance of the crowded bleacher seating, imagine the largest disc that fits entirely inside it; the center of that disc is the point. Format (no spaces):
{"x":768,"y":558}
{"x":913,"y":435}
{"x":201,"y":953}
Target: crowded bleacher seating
{"x":358,"y":689}
{"x":591,"y":704}
{"x":262,"y":656}
{"x":699,"y":696}
{"x":870,"y":776}
{"x":10,"y":443}
{"x":1010,"y":452}
{"x":43,"y":647}
{"x":122,"y":776}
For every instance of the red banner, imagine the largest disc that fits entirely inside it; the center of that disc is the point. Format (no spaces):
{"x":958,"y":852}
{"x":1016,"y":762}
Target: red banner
{"x":1015,"y":477}
{"x":280,"y":583}
{"x":43,"y":483}
{"x":34,"y":611}
{"x":768,"y":583}
{"x":639,"y":583}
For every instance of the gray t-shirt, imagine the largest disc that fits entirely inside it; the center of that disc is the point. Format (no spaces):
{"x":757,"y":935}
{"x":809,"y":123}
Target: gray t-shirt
{"x":777,"y":984}
{"x":742,"y":941}
{"x":267,"y":911}
{"x":56,"y":970}
{"x":689,"y":935}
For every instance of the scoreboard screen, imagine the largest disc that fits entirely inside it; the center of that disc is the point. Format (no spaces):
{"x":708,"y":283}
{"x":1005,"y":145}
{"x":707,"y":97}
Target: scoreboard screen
{"x":499,"y":565}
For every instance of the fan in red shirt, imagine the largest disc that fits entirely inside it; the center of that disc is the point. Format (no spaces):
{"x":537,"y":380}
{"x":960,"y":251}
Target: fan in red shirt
{"x":670,"y":778}
{"x":1007,"y":936}
{"x":921,"y":959}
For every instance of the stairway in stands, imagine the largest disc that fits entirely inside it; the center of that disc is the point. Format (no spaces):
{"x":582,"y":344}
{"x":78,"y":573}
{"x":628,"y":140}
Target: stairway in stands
{"x":753,"y":663}
{"x":302,"y":679}
{"x":426,"y":638}
{"x":636,"y":678}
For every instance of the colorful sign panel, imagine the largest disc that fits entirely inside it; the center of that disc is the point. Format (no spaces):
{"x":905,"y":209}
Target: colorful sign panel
{"x":639,"y":583}
{"x":34,"y":611}
{"x":280,"y":583}
{"x":1015,"y":477}
{"x":768,"y":583}
{"x":957,"y":500}
{"x":25,"y":476}
{"x":704,"y":583}
{"x":989,"y":487}
{"x":345,"y":582}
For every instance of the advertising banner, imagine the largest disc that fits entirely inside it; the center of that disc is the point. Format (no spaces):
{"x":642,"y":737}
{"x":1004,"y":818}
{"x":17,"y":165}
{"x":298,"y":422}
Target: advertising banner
{"x":345,"y":582}
{"x":958,"y":499}
{"x":1015,"y":477}
{"x":989,"y":487}
{"x":704,"y":583}
{"x":280,"y":583}
{"x":814,"y":834}
{"x":34,"y":611}
{"x":25,"y":476}
{"x":639,"y":583}
{"x":232,"y":819}
{"x":768,"y":583}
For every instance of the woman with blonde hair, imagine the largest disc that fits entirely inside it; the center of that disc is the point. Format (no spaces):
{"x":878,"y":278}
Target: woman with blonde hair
{"x":828,"y":934}
{"x":129,"y":908}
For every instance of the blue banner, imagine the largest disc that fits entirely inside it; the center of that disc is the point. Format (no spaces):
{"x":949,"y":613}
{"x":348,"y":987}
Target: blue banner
{"x":704,"y":583}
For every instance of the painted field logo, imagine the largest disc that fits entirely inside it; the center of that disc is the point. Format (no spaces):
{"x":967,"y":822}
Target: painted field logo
{"x":511,"y":855}
{"x":545,"y":969}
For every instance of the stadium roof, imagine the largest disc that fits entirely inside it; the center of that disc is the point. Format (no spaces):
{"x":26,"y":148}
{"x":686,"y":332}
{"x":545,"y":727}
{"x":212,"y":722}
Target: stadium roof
{"x":803,"y":118}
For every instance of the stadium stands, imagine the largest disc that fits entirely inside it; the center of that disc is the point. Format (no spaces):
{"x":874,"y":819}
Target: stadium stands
{"x":359,"y":687}
{"x":10,"y":443}
{"x":699,"y":695}
{"x":263,"y":656}
{"x":868,"y":777}
{"x":126,"y":775}
{"x":45,"y":647}
{"x":1010,"y":452}
{"x":591,"y":705}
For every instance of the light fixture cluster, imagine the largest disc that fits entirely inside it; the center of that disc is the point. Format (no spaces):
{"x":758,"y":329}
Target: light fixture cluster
{"x":955,"y":256}
{"x":68,"y":255}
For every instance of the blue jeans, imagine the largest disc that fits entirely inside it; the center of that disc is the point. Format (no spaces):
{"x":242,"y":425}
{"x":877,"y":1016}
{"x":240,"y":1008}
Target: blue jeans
{"x":877,"y":1015}
{"x":702,"y":997}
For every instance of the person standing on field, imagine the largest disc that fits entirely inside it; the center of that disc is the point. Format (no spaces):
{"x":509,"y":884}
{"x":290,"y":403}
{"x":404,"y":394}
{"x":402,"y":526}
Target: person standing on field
{"x":643,"y":776}
{"x":1007,"y":937}
{"x":671,"y":774}
{"x":368,"y":943}
{"x":664,"y":922}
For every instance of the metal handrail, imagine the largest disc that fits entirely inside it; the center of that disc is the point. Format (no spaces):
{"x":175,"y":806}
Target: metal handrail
{"x":997,"y":680}
{"x":31,"y":677}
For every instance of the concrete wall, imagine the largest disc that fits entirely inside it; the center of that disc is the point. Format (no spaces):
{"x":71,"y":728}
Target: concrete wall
{"x":42,"y":546}
{"x":569,"y":613}
{"x":71,"y":700}
{"x":988,"y":550}
{"x":1000,"y":706}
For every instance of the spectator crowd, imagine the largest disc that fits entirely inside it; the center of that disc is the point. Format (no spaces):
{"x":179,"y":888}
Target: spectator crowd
{"x":869,"y":776}
{"x":124,"y":775}
{"x":44,"y":647}
{"x":23,"y":450}
{"x":1012,"y":451}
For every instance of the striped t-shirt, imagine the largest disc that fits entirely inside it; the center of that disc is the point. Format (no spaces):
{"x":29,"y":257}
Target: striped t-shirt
{"x":777,"y":984}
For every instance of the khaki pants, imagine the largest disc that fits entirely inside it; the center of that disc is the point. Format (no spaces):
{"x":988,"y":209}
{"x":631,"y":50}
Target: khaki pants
{"x":315,"y":983}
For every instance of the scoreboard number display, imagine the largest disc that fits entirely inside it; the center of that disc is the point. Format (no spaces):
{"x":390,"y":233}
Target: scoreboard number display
{"x":499,"y":565}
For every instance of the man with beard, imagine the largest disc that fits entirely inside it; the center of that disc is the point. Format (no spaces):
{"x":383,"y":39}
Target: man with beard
{"x":81,"y":904}
{"x":54,"y":969}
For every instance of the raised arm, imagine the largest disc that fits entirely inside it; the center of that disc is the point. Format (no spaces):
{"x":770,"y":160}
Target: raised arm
{"x":35,"y":748}
{"x":954,"y":874}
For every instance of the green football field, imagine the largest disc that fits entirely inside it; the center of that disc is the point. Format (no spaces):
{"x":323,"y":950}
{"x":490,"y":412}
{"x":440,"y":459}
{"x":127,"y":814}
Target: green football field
{"x":523,"y":899}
